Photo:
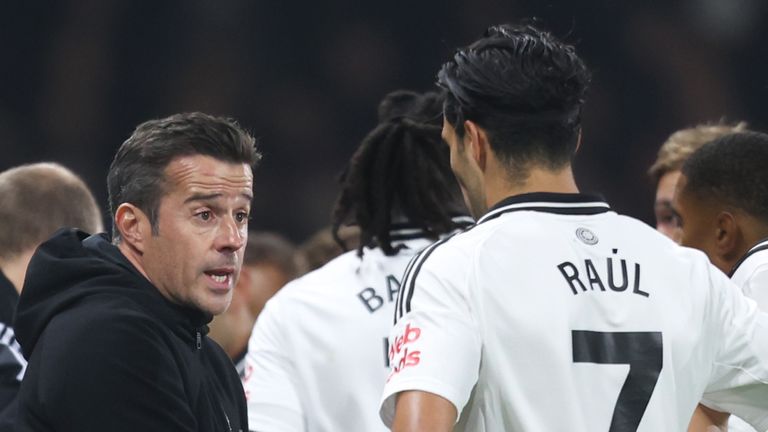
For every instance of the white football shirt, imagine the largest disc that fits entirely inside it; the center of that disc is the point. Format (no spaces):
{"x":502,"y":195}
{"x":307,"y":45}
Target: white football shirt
{"x":555,"y":313}
{"x":317,"y":357}
{"x":751,"y":275}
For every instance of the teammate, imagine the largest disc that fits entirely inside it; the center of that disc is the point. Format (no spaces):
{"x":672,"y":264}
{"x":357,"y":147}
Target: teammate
{"x":665,"y":173}
{"x":37,"y":200}
{"x":666,"y":169}
{"x":553,"y":312}
{"x":722,"y":203}
{"x":317,"y":357}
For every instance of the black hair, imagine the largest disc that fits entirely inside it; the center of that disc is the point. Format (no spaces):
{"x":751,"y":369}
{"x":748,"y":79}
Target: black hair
{"x":137,"y":174}
{"x":525,"y":88}
{"x":401,"y":170}
{"x":732,"y":170}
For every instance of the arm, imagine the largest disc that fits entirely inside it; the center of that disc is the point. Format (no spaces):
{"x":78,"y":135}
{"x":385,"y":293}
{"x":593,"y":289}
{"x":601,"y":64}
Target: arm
{"x":436,"y":325}
{"x":423,"y":411}
{"x":708,"y":420}
{"x":738,"y":383}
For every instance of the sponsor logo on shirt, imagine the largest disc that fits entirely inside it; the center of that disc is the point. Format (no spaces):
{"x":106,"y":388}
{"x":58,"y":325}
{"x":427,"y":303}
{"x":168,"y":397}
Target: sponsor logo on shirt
{"x":401,"y":352}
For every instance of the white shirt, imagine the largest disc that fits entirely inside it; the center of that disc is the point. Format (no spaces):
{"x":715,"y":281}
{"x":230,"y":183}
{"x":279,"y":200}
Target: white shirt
{"x":317,"y":357}
{"x":751,"y":275}
{"x":554,"y":313}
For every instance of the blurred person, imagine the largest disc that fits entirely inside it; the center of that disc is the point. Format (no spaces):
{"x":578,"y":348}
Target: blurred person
{"x":519,"y":323}
{"x":666,"y":169}
{"x":37,"y":200}
{"x":327,"y":244}
{"x":269,"y":263}
{"x":317,"y":357}
{"x":115,"y":329}
{"x":722,"y":203}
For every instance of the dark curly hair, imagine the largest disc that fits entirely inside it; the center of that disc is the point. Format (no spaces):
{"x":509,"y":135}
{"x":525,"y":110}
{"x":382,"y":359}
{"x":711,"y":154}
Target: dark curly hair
{"x":400,"y":173}
{"x":525,"y":88}
{"x":732,"y":170}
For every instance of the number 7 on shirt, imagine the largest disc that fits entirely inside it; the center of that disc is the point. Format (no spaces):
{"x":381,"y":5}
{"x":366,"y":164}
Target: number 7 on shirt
{"x":642,"y":351}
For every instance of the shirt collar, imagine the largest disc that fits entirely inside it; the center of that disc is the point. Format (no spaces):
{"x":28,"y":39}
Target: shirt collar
{"x":549,"y":202}
{"x":760,"y":246}
{"x":405,"y":231}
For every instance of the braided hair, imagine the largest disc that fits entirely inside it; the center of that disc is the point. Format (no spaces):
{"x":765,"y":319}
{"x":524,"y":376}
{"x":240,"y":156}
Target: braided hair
{"x":400,"y":172}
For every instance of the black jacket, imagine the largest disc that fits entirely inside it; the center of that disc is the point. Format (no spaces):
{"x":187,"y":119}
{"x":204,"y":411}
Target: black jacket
{"x":107,"y":352}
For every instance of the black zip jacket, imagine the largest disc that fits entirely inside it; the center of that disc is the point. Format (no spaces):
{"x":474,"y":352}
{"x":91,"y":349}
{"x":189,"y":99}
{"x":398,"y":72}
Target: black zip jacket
{"x":107,"y":352}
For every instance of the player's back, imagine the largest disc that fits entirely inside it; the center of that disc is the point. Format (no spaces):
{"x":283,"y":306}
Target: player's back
{"x":578,"y":305}
{"x":584,"y":322}
{"x":317,"y":357}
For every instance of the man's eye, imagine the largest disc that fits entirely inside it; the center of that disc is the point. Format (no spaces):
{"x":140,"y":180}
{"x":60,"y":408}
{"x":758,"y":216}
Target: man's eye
{"x":242,"y":217}
{"x":204,"y":215}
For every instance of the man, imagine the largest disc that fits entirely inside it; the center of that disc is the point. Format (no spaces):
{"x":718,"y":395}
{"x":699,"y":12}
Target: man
{"x":317,"y":357}
{"x":114,"y":331}
{"x":269,"y":263}
{"x":38,"y":199}
{"x":665,"y":173}
{"x":666,"y":169}
{"x":722,"y":203}
{"x":553,"y":312}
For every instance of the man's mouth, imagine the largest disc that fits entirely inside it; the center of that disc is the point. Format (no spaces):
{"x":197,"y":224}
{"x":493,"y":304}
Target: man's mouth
{"x":222,"y":278}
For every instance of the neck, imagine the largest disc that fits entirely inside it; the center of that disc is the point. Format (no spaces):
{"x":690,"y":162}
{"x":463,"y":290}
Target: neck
{"x":538,"y":180}
{"x":132,"y":255}
{"x":16,"y":268}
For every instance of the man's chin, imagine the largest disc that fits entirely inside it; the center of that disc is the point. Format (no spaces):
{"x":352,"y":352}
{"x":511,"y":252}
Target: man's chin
{"x":216,"y":306}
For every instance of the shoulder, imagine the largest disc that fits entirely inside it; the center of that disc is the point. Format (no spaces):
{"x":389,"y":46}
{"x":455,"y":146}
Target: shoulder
{"x":104,"y":330}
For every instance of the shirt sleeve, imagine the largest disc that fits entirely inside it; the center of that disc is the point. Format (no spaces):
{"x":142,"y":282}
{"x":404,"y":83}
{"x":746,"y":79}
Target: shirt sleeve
{"x":756,"y":288}
{"x":270,"y":378}
{"x":435,"y":345}
{"x":739,"y":382}
{"x":108,"y":373}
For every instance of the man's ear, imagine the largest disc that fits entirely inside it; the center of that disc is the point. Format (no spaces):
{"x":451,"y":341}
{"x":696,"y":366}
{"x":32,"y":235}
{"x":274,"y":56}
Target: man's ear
{"x":728,"y":236}
{"x":477,"y":139}
{"x":133,"y":225}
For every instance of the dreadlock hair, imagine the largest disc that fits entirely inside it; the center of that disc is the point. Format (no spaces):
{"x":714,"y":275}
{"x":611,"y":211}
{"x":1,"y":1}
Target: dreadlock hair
{"x":400,"y":171}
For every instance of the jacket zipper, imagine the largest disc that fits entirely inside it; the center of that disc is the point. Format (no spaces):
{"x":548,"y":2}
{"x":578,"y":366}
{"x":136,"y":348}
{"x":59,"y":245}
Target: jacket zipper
{"x":199,"y":339}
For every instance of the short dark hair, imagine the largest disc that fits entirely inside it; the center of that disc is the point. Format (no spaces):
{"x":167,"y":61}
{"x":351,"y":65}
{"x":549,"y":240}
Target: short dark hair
{"x":137,"y":174}
{"x":525,"y":88}
{"x":37,"y":200}
{"x":732,"y":170}
{"x":401,"y":170}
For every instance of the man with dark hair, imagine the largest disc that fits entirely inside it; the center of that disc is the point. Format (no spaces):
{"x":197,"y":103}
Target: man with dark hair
{"x":553,"y":312}
{"x":37,"y":200}
{"x":722,"y":202}
{"x":115,"y":331}
{"x":317,"y":357}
